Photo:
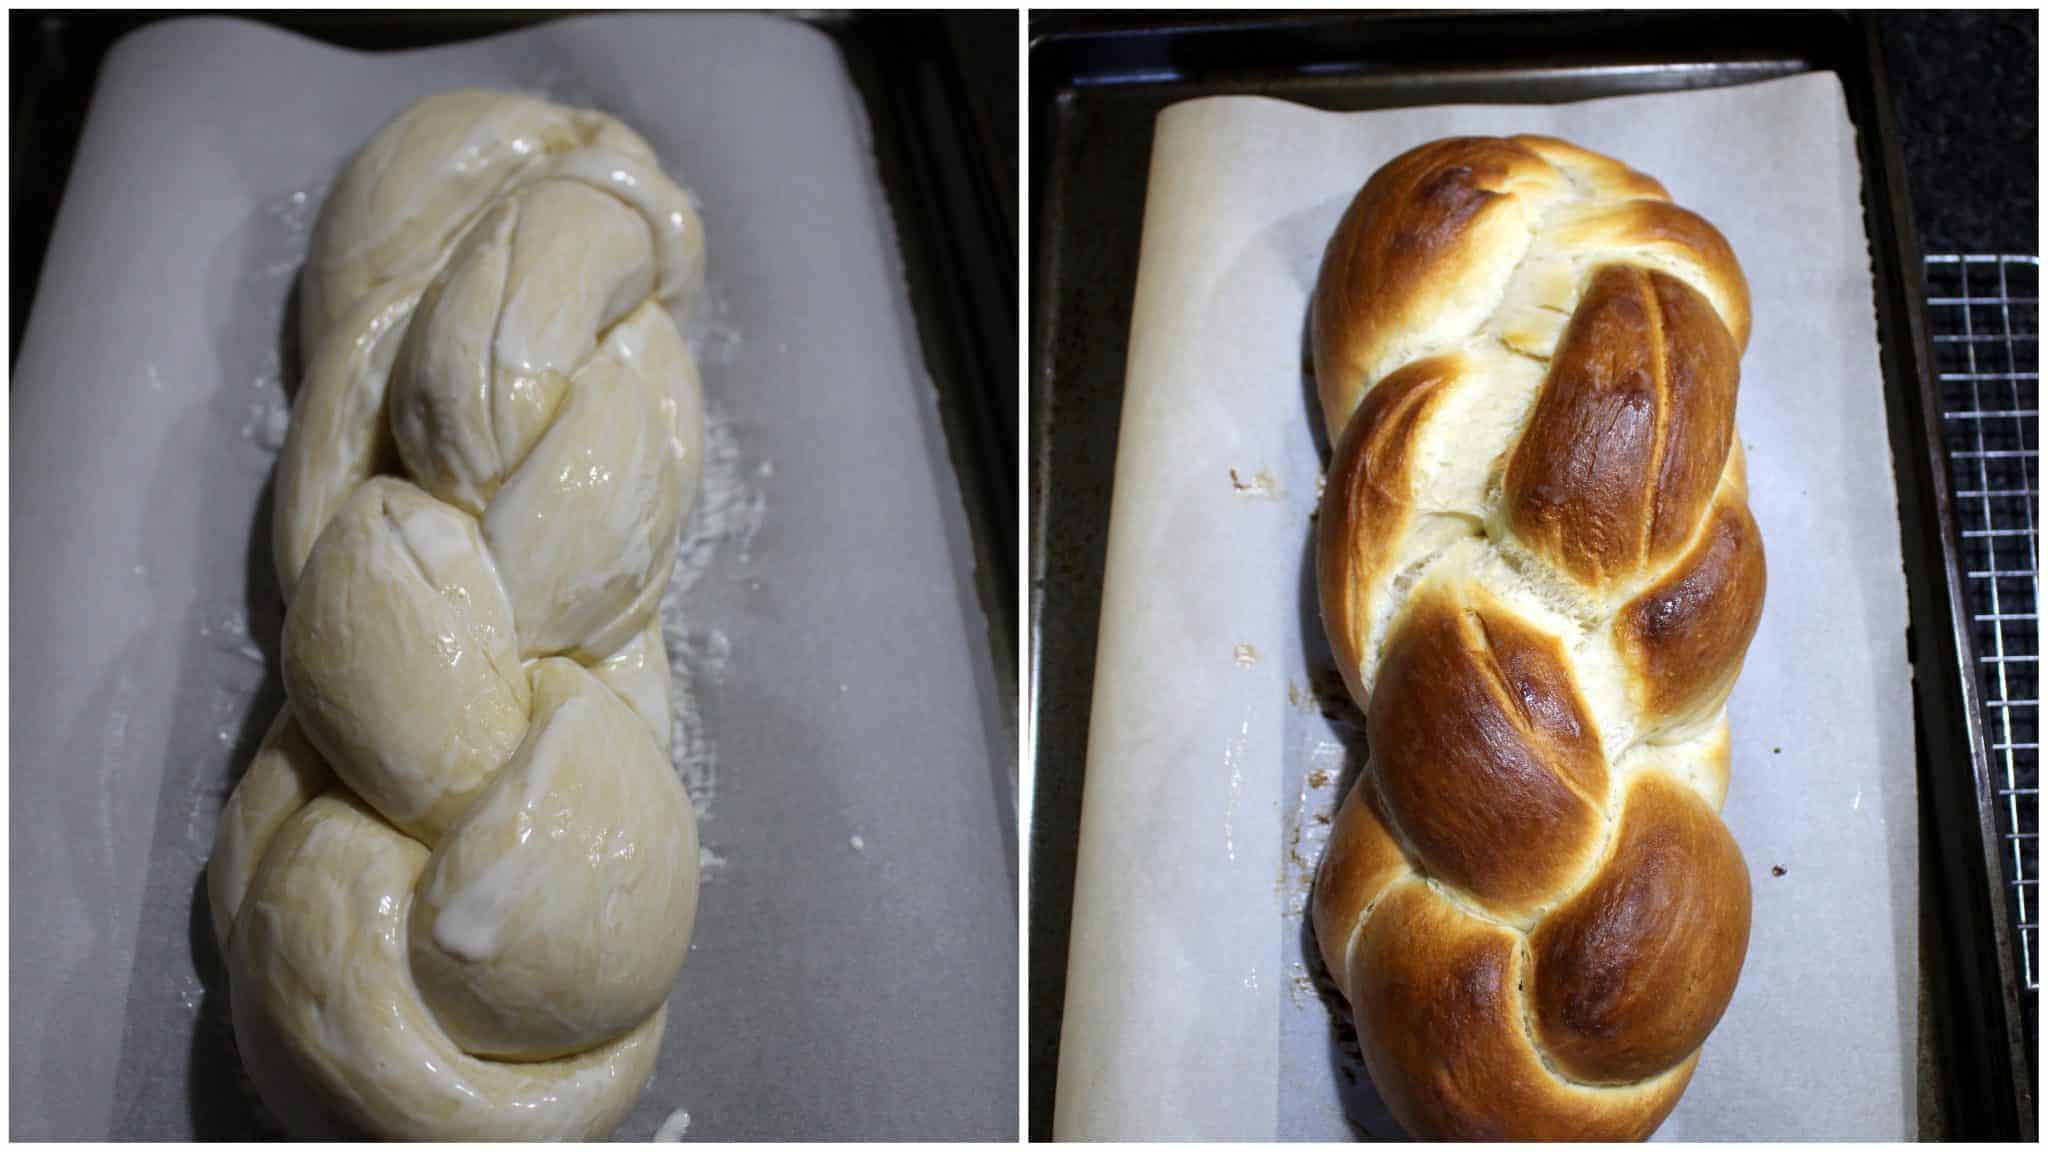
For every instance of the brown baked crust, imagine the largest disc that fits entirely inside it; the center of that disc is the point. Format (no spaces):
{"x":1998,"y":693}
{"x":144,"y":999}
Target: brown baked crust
{"x":1660,"y":235}
{"x":1684,"y":637}
{"x":1366,"y":509}
{"x":1440,"y":221}
{"x":1360,"y":862}
{"x":1441,"y":999}
{"x":1635,"y":970}
{"x":1528,"y":896}
{"x":1488,"y":763}
{"x":1631,"y":431}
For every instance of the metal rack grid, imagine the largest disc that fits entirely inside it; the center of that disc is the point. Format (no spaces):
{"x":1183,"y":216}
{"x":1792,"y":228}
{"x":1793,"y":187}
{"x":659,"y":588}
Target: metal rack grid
{"x":1983,"y":322}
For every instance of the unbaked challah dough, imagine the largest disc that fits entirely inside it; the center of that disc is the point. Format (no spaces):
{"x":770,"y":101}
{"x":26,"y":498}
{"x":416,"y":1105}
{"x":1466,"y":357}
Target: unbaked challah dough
{"x":457,"y":884}
{"x":1539,"y":575}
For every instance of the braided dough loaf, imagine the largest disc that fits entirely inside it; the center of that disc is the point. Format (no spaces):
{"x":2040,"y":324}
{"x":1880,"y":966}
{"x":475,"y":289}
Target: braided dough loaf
{"x":457,"y":883}
{"x":1539,"y":575}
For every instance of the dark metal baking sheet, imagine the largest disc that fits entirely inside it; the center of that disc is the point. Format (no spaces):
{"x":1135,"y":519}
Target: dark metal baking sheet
{"x":1096,"y":85}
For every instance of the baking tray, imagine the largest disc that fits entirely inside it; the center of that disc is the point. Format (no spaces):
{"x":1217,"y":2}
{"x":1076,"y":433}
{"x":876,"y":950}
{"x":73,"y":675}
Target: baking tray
{"x":854,"y":935}
{"x":1096,"y":85}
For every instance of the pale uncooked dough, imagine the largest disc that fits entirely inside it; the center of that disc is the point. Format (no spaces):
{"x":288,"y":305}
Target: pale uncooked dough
{"x":457,"y":884}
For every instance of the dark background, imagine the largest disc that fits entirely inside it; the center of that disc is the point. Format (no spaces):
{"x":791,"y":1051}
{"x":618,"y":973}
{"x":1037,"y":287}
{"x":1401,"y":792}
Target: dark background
{"x":1964,"y":88}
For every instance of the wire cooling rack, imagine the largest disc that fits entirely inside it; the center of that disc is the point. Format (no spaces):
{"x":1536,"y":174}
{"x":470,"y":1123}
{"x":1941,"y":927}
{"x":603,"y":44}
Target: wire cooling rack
{"x":1983,"y":322}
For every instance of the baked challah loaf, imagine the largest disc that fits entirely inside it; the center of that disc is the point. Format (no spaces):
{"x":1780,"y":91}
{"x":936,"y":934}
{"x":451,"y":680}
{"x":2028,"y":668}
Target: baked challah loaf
{"x":456,"y":885}
{"x":1539,"y":575}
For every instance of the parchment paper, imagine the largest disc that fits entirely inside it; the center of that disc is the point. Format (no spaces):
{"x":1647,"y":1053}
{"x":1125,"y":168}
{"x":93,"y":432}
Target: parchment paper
{"x":853,"y":969}
{"x":1194,"y":1007}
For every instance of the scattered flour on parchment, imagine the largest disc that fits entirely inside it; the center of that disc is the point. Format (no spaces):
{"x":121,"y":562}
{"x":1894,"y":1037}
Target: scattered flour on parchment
{"x":237,"y":666}
{"x":730,"y":507}
{"x":727,"y":514}
{"x":238,"y":670}
{"x":268,"y":416}
{"x":711,"y":331}
{"x":673,"y":1127}
{"x":286,"y":234}
{"x":294,"y":214}
{"x":227,"y":628}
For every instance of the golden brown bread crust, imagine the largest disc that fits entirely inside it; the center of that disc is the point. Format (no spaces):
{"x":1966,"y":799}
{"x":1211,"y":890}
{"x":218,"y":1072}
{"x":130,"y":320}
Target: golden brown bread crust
{"x":1366,"y":509}
{"x":1684,"y":637}
{"x":1437,"y":222}
{"x":1630,"y":434}
{"x":1659,"y":234}
{"x":1361,"y":861}
{"x":1487,"y":763}
{"x":1539,"y":586}
{"x":1442,"y":1000}
{"x":1633,"y":973}
{"x":1430,"y":243}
